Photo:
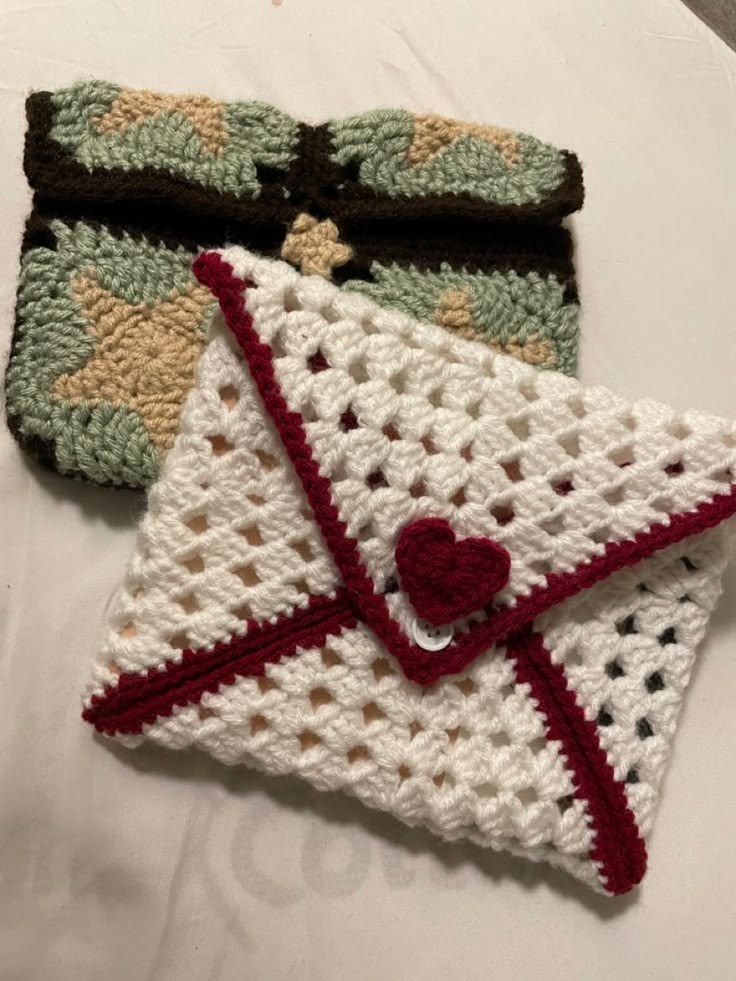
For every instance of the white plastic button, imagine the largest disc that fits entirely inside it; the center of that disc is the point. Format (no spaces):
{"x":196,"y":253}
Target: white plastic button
{"x":431,"y":638}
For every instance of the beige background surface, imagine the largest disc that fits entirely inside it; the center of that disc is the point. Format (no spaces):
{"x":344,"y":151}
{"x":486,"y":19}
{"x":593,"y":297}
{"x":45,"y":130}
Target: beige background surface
{"x":131,"y":866}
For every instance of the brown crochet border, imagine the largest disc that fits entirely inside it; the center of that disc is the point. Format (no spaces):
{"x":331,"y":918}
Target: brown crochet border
{"x":311,"y":181}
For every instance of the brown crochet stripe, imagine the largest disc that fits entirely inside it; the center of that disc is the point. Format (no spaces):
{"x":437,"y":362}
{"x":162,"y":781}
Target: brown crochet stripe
{"x":312,"y":181}
{"x":498,"y":246}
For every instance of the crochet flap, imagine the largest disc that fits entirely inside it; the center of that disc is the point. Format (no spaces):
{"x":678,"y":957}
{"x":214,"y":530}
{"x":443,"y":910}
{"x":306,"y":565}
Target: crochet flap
{"x":460,"y":491}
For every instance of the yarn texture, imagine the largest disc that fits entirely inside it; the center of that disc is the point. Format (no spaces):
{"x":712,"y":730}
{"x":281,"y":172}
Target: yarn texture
{"x":456,"y":223}
{"x":264,"y":615}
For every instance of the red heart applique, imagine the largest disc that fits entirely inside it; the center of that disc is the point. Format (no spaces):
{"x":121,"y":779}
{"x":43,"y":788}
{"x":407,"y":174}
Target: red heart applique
{"x":446,"y":579}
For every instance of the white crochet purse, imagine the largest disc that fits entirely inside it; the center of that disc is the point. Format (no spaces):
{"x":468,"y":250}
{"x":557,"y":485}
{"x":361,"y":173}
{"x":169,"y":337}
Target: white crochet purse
{"x":388,"y":560}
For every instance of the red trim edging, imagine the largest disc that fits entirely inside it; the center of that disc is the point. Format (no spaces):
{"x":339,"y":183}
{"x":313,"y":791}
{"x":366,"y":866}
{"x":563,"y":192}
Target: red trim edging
{"x":421,"y":666}
{"x":618,"y":847}
{"x":140,"y":699}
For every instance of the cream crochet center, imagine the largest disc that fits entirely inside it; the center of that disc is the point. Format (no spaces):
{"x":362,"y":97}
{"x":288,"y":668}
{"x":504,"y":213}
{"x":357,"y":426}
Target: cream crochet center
{"x":229,"y":537}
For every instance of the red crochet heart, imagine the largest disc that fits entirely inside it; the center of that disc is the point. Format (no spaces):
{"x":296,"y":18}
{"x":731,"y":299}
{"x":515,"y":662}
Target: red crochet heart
{"x":446,"y":579}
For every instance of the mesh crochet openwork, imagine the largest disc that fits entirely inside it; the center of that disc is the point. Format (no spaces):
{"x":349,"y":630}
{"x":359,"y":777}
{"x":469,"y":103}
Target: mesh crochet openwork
{"x":244,"y":628}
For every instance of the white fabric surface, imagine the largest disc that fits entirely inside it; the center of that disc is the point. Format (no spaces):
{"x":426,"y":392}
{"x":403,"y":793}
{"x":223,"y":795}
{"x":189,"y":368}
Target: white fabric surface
{"x":131,"y":865}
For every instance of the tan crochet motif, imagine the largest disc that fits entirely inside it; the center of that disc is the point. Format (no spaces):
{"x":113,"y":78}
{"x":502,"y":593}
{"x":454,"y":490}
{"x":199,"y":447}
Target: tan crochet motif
{"x":315,"y":246}
{"x":455,"y":312}
{"x":136,"y":105}
{"x":145,"y":354}
{"x":432,"y":133}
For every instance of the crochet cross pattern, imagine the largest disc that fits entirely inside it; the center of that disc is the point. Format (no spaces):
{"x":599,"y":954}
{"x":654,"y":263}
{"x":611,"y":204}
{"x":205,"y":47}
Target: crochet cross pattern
{"x":456,"y":223}
{"x":273,"y":611}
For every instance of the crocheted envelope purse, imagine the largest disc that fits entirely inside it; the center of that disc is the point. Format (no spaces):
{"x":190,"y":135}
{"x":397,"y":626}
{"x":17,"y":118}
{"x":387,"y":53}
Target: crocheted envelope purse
{"x":453,"y":222}
{"x":395,"y":563}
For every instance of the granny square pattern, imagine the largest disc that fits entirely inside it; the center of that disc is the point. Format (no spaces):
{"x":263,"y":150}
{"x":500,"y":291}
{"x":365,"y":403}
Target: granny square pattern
{"x":395,"y":563}
{"x":455,"y":223}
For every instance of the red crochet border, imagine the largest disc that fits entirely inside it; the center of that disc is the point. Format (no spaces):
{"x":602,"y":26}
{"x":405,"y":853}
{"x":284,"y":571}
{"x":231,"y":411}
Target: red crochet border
{"x":618,"y":847}
{"x":422,"y":667}
{"x":137,"y":699}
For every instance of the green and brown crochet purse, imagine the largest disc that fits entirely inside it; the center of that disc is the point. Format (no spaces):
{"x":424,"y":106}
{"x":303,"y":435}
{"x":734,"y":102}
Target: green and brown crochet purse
{"x":452,"y":222}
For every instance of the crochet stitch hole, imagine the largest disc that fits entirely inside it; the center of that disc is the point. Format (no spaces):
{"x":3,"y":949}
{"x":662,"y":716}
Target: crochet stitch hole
{"x":473,"y":410}
{"x":319,"y":697}
{"x":573,"y":659}
{"x":674,"y":469}
{"x":358,"y":754}
{"x":565,"y":803}
{"x":614,"y":496}
{"x":230,"y":396}
{"x":632,"y":776}
{"x":604,"y":717}
{"x":301,"y":586}
{"x":391,"y":585}
{"x":622,"y":457}
{"x":467,"y":453}
{"x":376,"y":479}
{"x":418,"y":489}
{"x":527,"y":795}
{"x":252,"y":535}
{"x":381,"y":668}
{"x":667,"y":637}
{"x":266,"y":684}
{"x":519,"y":427}
{"x":486,"y":790}
{"x":614,"y":670}
{"x":348,"y":420}
{"x":247,"y":575}
{"x":528,"y":389}
{"x":601,"y":535}
{"x":317,"y":362}
{"x":330,"y":315}
{"x":391,"y":432}
{"x":291,"y":301}
{"x":553,"y":526}
{"x":500,"y":739}
{"x":128,"y":631}
{"x":458,"y":498}
{"x":358,"y":372}
{"x":576,"y":406}
{"x":308,"y":740}
{"x":372,"y":713}
{"x":439,"y":779}
{"x":204,"y":713}
{"x":627,"y":626}
{"x":180,"y":641}
{"x":404,"y":773}
{"x":429,"y":448}
{"x":729,"y":439}
{"x":414,"y":729}
{"x":571,"y":445}
{"x":243,"y":612}
{"x":189,"y":603}
{"x":330,"y":659}
{"x":537,"y":745}
{"x":303,"y":549}
{"x":723,"y":477}
{"x":198,"y":524}
{"x":435,"y":398}
{"x":503,"y":514}
{"x":452,"y":735}
{"x":256,"y":499}
{"x":644,"y":729}
{"x":680,"y":430}
{"x":194,"y":565}
{"x":398,"y":382}
{"x":629,"y":422}
{"x":689,"y":565}
{"x":563,"y":488}
{"x":512,"y":469}
{"x":113,"y":668}
{"x":654,"y":683}
{"x":663,"y":504}
{"x":266,"y":460}
{"x":467,"y":686}
{"x":258,"y":724}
